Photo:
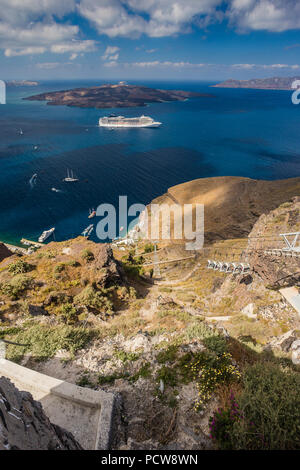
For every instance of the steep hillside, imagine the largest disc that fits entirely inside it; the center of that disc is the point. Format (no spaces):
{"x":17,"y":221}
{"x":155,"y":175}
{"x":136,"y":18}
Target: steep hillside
{"x":185,"y":347}
{"x":232,"y":204}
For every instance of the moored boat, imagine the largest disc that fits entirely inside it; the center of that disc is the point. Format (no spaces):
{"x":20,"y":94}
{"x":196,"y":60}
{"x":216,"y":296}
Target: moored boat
{"x":46,"y":234}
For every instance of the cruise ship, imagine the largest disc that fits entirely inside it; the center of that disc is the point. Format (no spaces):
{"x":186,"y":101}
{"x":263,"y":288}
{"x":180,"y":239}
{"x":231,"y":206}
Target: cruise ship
{"x":121,"y":121}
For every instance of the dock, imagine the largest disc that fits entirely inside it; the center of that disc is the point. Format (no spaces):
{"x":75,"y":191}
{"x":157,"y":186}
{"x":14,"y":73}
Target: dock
{"x":30,"y":242}
{"x":15,"y":249}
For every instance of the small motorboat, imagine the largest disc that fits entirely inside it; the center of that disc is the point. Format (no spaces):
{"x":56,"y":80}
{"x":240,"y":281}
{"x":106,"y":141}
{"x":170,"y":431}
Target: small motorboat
{"x":92,"y":213}
{"x":70,"y":178}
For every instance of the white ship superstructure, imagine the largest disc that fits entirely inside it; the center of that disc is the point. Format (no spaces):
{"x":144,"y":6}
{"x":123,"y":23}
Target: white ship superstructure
{"x":121,"y":121}
{"x":46,"y":234}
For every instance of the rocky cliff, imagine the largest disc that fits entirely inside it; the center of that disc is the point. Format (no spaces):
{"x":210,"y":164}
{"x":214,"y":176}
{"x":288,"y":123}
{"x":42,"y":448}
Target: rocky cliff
{"x":276,"y":269}
{"x":24,"y":425}
{"x":4,"y":252}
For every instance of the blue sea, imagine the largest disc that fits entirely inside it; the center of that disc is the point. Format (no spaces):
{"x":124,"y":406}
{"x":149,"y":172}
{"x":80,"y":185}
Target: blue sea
{"x":252,"y":133}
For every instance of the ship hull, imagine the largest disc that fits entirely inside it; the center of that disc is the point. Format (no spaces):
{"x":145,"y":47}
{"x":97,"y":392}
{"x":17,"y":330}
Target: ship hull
{"x":130,"y":126}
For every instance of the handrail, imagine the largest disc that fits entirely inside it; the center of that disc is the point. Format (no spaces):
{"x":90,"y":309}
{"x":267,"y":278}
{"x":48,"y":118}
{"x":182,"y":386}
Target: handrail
{"x":15,"y":344}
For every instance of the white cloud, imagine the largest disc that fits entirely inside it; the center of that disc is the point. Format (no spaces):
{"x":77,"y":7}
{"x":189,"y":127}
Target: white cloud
{"x":111,"y":53}
{"x":266,"y":66}
{"x":32,"y":27}
{"x":112,"y":63}
{"x":269,"y":15}
{"x":74,"y":46}
{"x":37,"y":26}
{"x":48,"y":65}
{"x":183,"y":64}
{"x":244,"y":66}
{"x":20,"y":12}
{"x":158,"y":18}
{"x":157,"y":63}
{"x":24,"y":51}
{"x":155,"y":18}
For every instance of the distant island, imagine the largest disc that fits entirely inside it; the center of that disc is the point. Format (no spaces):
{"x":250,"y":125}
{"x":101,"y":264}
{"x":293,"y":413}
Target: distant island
{"x":113,"y":96}
{"x":22,"y":83}
{"x":274,"y":83}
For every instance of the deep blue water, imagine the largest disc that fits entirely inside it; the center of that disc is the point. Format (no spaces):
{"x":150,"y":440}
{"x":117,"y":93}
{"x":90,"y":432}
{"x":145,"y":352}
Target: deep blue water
{"x":251,"y":133}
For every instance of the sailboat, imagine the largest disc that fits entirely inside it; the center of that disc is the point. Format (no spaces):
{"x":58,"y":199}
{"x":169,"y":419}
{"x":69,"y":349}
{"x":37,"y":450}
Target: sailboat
{"x":87,"y":231}
{"x":70,"y":177}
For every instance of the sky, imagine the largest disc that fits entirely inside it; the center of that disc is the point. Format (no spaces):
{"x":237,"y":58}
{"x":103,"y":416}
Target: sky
{"x":149,"y":39}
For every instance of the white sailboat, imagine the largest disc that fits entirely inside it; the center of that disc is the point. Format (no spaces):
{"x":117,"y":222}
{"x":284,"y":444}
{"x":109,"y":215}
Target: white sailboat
{"x":70,"y":178}
{"x":88,"y":230}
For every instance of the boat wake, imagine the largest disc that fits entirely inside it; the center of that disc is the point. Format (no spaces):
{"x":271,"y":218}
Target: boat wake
{"x":32,"y":181}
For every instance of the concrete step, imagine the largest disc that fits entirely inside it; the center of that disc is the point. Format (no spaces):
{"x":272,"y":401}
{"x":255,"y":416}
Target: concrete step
{"x":291,"y":294}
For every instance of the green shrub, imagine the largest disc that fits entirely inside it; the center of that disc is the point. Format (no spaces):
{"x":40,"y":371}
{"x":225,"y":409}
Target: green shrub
{"x":198,"y":330}
{"x":68,"y":313}
{"x":270,"y":404}
{"x":144,"y":372}
{"x":215,"y":344}
{"x":9,"y":331}
{"x":19,"y":267}
{"x":133,"y":271}
{"x":265,"y":416}
{"x":17,"y":286}
{"x":43,"y":342}
{"x":167,"y":355}
{"x":148,"y":248}
{"x":97,"y":299}
{"x":168,"y":375}
{"x":126,"y":356}
{"x":87,"y":255}
{"x":73,"y":263}
{"x":209,"y":371}
{"x":84,"y":381}
{"x":109,"y":379}
{"x":222,"y":422}
{"x":60,"y":267}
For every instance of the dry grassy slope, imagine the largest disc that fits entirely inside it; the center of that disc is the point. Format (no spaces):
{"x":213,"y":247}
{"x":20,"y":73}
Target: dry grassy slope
{"x":232,"y":204}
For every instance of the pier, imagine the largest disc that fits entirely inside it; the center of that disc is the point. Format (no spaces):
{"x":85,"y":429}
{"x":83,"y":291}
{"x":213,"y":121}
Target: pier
{"x":30,"y":242}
